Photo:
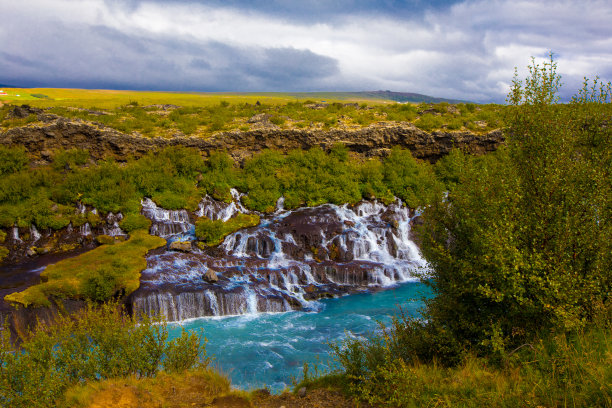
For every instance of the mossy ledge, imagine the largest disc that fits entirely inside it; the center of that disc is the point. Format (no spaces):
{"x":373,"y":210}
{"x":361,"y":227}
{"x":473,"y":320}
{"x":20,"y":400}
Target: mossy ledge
{"x":212,"y":233}
{"x":106,"y":271}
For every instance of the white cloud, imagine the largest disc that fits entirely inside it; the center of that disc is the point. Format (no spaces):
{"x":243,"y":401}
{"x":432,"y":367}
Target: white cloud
{"x":468,"y":50}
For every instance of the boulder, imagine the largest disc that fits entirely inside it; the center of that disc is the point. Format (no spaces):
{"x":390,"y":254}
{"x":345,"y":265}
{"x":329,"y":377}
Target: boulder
{"x":210,"y":276}
{"x":183,"y":246}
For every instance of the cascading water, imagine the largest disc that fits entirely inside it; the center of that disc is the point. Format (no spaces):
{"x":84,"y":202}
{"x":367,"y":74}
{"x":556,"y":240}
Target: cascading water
{"x":111,"y":227}
{"x":289,"y":261}
{"x":34,"y":234}
{"x":166,"y":223}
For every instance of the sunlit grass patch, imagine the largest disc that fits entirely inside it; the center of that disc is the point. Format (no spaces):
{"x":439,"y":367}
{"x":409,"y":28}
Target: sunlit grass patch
{"x":98,"y":274}
{"x":198,"y":386}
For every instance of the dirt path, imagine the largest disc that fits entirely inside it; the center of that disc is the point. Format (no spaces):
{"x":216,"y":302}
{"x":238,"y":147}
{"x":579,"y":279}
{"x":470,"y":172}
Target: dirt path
{"x":318,"y":398}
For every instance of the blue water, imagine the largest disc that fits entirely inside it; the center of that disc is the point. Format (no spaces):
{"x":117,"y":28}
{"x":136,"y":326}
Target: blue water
{"x":270,"y":349}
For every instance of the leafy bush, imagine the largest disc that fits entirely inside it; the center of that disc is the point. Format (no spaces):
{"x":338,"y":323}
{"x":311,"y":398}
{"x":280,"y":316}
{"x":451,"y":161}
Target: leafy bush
{"x":412,"y":181}
{"x":522,"y":242}
{"x":132,"y":222}
{"x":12,"y":159}
{"x":102,"y":284}
{"x":3,"y":253}
{"x":184,"y":352}
{"x":67,"y":159}
{"x":96,"y":344}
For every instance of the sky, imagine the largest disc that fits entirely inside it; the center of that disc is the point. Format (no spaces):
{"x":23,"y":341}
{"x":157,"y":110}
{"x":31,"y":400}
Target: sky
{"x":455,"y":49}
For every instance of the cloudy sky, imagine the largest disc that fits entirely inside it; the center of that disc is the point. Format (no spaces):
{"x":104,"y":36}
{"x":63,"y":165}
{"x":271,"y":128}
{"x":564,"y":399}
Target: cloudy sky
{"x":457,"y":49}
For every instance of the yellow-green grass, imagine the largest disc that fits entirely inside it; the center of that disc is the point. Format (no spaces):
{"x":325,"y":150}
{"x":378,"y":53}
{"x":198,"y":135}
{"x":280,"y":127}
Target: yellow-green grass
{"x":556,"y":370}
{"x":69,"y":277}
{"x":109,"y":99}
{"x":212,"y":233}
{"x":196,"y":387}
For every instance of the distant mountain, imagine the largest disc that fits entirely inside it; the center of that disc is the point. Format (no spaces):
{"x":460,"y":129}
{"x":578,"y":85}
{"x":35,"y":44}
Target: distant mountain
{"x":368,"y":95}
{"x":8,"y":86}
{"x":405,"y":97}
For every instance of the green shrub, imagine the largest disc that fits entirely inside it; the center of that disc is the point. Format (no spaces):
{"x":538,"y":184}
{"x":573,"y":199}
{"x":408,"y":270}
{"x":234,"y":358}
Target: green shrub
{"x":522,"y":243}
{"x":213,"y":232}
{"x":102,"y":284}
{"x":12,"y":159}
{"x":184,"y":352}
{"x":3,"y":253}
{"x":132,"y":222}
{"x":69,"y":159}
{"x":97,"y":343}
{"x":412,"y":181}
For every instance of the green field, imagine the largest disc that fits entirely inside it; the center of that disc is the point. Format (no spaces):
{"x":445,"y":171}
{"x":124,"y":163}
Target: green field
{"x":168,"y":114}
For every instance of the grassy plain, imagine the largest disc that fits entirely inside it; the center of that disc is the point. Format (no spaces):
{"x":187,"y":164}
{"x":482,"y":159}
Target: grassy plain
{"x":203,"y":114}
{"x":109,"y":99}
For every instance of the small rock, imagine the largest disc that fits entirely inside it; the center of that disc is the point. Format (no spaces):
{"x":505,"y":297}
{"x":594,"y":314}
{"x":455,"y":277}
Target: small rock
{"x":31,"y":251}
{"x":183,"y":246}
{"x":302,"y":392}
{"x":349,"y":224}
{"x":260,"y":117}
{"x":210,"y":276}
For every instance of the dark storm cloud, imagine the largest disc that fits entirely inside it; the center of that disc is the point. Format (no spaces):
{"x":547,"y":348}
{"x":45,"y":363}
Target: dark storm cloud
{"x":100,"y":56}
{"x":459,"y":49}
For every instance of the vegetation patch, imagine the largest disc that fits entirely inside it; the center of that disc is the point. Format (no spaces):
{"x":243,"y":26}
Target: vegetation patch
{"x":3,"y":253}
{"x":212,"y":233}
{"x":67,"y":363}
{"x":133,"y":222}
{"x":99,"y":274}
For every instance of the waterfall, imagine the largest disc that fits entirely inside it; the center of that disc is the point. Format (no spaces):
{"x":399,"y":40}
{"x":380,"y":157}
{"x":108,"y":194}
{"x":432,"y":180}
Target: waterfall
{"x":112,"y":225}
{"x":289,"y":260}
{"x":166,"y":222}
{"x":85,"y":229}
{"x":15,"y":235}
{"x":34,"y":234}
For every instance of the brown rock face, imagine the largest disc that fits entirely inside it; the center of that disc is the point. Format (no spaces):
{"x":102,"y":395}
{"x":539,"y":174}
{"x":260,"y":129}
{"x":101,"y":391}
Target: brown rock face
{"x":374,"y":140}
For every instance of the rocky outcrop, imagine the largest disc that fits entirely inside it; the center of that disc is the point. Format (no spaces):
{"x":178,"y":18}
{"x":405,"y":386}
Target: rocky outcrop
{"x":21,"y":320}
{"x":375,"y":140}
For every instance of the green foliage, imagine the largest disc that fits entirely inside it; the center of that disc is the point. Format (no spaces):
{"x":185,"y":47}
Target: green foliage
{"x":213,"y":232}
{"x":67,"y":159}
{"x":132,"y":222}
{"x":412,"y":181}
{"x":522,"y":242}
{"x":3,"y":253}
{"x":102,"y":283}
{"x":553,"y":370}
{"x":12,"y":159}
{"x":185,"y":352}
{"x":96,"y":274}
{"x":97,"y":344}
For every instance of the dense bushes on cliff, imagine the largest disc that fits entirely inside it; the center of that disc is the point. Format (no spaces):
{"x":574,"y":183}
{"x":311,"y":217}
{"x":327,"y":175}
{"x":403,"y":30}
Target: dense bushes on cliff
{"x":178,"y":177}
{"x":96,"y":344}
